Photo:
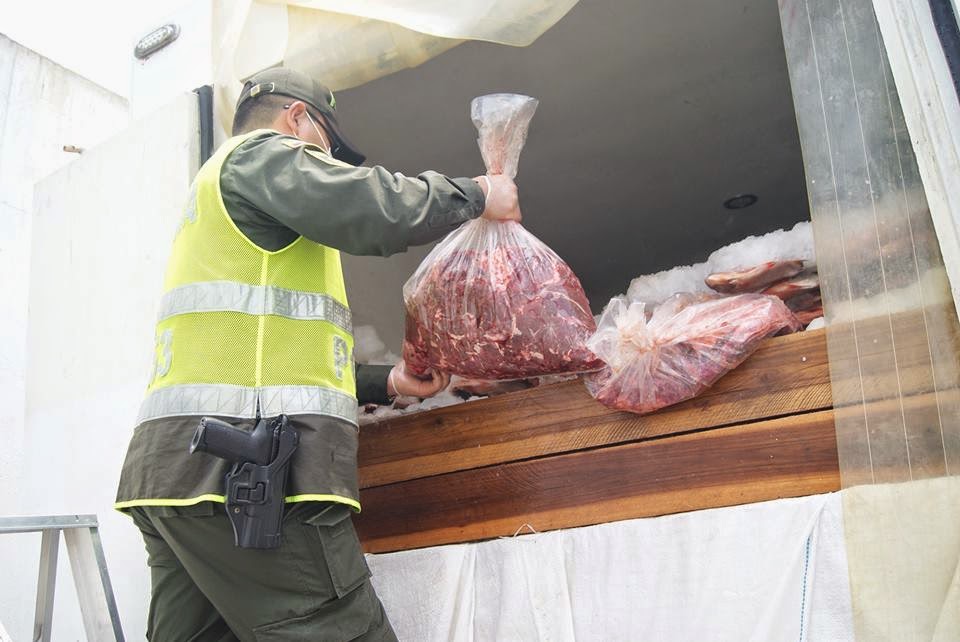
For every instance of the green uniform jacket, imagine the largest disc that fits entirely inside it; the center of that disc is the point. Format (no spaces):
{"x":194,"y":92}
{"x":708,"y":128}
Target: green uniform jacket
{"x":276,"y":189}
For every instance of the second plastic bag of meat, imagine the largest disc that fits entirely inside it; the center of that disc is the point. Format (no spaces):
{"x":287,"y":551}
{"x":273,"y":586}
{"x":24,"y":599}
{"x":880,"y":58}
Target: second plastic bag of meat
{"x":688,"y":343}
{"x":491,"y":301}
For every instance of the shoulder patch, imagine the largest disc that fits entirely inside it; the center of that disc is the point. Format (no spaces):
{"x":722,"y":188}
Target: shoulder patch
{"x":329,"y":160}
{"x":314,"y":151}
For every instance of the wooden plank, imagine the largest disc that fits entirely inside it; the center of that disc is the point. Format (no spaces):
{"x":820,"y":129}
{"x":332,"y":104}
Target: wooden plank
{"x":787,"y":375}
{"x":923,"y":454}
{"x":786,"y":457}
{"x":866,"y":369}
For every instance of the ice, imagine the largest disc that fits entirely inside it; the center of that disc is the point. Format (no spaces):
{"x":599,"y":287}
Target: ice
{"x":795,"y":243}
{"x":379,"y":414}
{"x":368,"y":348}
{"x":655,"y":288}
{"x":441,"y":400}
{"x":781,"y":245}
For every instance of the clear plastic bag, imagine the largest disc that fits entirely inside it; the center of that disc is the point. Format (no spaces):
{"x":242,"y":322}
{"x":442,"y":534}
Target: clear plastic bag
{"x":491,"y":301}
{"x":682,"y":348}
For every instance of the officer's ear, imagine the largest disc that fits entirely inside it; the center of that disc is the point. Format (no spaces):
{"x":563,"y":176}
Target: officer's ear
{"x":295,"y":117}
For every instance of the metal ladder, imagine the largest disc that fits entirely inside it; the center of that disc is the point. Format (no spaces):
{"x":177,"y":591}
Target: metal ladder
{"x":97,"y":604}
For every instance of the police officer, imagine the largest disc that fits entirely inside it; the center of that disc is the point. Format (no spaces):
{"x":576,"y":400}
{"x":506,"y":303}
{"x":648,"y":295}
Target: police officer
{"x":254,"y":322}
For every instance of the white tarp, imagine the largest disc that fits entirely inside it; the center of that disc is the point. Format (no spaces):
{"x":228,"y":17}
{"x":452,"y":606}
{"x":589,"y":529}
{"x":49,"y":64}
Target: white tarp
{"x":904,"y":556}
{"x":348,"y":43}
{"x":769,"y":571}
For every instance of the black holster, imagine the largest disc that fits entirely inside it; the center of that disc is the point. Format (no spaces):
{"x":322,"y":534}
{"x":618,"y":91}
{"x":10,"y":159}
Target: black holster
{"x":256,"y":484}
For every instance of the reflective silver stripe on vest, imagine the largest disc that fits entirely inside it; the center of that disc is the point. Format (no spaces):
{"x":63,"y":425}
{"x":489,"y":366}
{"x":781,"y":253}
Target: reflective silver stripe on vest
{"x":240,"y":401}
{"x":230,"y":296}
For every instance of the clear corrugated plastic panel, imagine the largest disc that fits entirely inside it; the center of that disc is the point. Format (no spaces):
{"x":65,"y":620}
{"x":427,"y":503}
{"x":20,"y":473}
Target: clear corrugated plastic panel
{"x":892,"y":332}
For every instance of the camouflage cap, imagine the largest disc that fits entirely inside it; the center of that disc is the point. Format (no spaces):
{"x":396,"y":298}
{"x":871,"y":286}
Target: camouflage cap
{"x":287,"y":82}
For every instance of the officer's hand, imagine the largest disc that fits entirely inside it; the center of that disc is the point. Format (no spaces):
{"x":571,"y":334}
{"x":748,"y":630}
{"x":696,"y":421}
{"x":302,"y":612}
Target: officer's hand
{"x":401,"y":382}
{"x":501,"y":198}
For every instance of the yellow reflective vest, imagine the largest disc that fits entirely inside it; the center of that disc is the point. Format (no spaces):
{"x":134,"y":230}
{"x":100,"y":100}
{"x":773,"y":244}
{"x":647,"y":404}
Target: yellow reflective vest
{"x":243,"y":330}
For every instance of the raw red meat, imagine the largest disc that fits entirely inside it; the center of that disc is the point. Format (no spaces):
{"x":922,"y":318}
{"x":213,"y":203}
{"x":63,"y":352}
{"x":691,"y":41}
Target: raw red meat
{"x":683,"y":348}
{"x":507,"y":313}
{"x":755,"y":278}
{"x":491,"y":301}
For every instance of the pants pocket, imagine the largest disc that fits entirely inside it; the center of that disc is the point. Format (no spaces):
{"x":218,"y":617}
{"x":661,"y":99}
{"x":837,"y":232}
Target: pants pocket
{"x":338,"y":621}
{"x":338,"y":545}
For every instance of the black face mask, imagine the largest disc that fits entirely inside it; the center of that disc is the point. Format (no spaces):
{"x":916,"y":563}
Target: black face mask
{"x":341,"y":153}
{"x":341,"y":148}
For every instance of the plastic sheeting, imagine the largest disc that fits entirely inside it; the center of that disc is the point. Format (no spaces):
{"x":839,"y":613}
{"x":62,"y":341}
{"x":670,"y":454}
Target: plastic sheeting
{"x":348,"y":43}
{"x":767,"y":571}
{"x":892,"y":332}
{"x":508,"y":22}
{"x":892,"y":328}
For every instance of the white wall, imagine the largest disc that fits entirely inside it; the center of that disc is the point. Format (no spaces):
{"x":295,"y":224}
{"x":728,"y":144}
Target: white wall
{"x":42,"y":108}
{"x":101,"y":234}
{"x":181,"y":66}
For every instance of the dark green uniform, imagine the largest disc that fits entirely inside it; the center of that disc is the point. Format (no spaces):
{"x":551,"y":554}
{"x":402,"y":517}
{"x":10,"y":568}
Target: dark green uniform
{"x":316,"y":586}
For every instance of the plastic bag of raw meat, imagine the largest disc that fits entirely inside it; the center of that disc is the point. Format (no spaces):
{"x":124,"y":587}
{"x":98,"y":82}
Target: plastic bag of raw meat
{"x":682,"y":348}
{"x":491,"y":301}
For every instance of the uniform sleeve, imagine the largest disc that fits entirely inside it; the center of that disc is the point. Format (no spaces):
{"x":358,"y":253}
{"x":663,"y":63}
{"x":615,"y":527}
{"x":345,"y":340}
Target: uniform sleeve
{"x":372,"y":384}
{"x":359,"y":210}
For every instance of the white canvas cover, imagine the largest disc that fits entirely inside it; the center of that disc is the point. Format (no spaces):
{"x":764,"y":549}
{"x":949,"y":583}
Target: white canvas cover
{"x":767,"y":571}
{"x":346,"y":43}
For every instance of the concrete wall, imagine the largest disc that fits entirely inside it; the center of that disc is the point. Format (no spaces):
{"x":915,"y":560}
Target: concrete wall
{"x":42,"y":108}
{"x":102,"y":232}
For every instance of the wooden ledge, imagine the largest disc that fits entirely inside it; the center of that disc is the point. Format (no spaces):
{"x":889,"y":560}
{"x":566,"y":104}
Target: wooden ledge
{"x":787,"y":457}
{"x":787,"y":375}
{"x":552,"y":457}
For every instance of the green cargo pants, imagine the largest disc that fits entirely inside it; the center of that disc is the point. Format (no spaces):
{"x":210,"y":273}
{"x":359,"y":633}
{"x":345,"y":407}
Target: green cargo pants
{"x":316,"y":586}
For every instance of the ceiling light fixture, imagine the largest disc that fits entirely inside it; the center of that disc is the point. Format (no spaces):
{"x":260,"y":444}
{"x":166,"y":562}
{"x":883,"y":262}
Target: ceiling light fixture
{"x":740,"y":201}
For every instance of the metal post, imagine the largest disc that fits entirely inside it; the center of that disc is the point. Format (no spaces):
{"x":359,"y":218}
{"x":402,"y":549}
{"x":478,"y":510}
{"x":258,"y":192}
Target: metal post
{"x":97,"y":605}
{"x":46,"y":584}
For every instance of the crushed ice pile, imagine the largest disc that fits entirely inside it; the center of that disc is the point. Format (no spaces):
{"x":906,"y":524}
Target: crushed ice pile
{"x":781,"y":245}
{"x":445,"y":398}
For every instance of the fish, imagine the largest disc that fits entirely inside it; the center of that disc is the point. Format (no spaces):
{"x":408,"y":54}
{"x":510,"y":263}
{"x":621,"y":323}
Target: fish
{"x":805,"y":301}
{"x":789,"y":288}
{"x":806,"y":316}
{"x":755,"y":278}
